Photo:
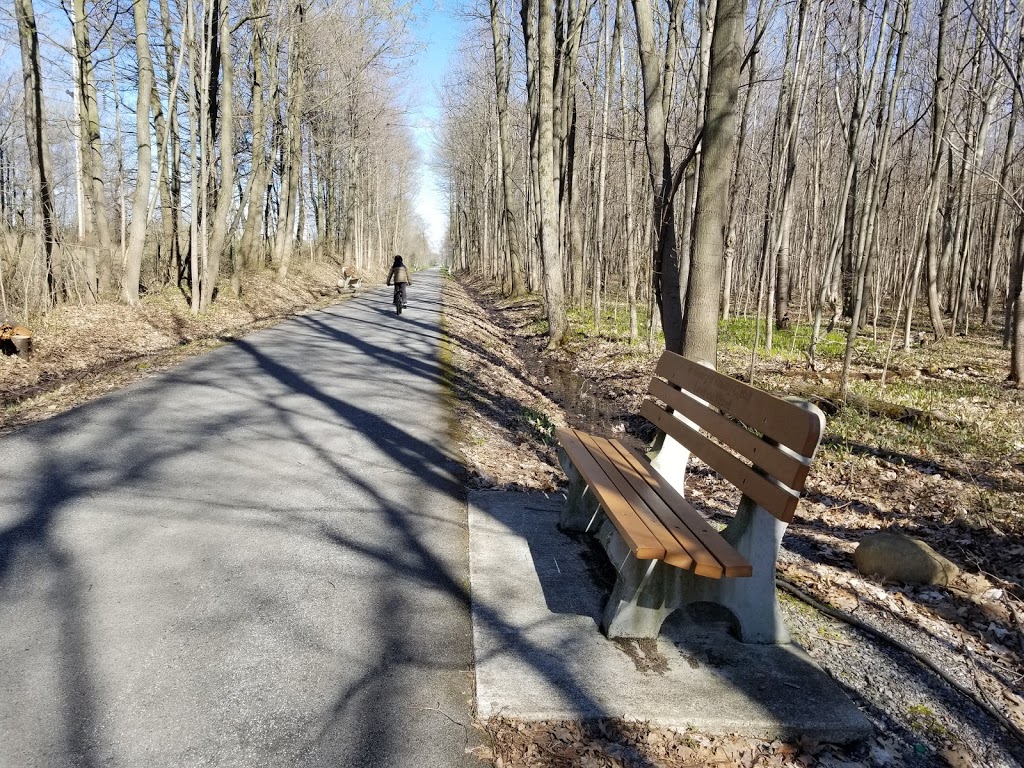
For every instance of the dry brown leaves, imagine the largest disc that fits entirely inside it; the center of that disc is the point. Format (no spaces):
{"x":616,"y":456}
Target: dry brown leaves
{"x":616,"y":744}
{"x":503,"y":423}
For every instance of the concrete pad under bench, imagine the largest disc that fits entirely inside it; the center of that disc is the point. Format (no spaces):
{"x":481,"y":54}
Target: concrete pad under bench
{"x":537,"y":601}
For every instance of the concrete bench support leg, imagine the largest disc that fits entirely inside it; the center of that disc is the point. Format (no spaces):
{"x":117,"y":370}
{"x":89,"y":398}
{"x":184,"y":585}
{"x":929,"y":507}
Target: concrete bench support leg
{"x":643,"y":596}
{"x":582,"y":511}
{"x":757,"y":535}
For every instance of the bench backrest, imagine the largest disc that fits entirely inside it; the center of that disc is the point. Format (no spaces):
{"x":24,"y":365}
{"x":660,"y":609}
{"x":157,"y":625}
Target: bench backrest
{"x":778,"y":437}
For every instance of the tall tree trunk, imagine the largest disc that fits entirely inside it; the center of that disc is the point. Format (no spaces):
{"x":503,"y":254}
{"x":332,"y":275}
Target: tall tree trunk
{"x":1015,"y":307}
{"x":995,"y":237}
{"x":293,"y":147}
{"x":794,"y":102}
{"x":543,"y":43}
{"x":704,"y":287}
{"x":140,"y":202}
{"x":255,"y":195}
{"x":501,"y":45}
{"x":665,"y":270}
{"x":609,"y":48}
{"x":92,"y":147}
{"x":628,"y":163}
{"x":170,"y":193}
{"x":877,"y":178}
{"x":45,"y":218}
{"x":554,"y":284}
{"x":931,"y":232}
{"x":225,"y":195}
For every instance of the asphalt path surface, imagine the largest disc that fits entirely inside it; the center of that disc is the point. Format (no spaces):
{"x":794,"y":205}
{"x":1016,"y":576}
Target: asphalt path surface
{"x":258,"y":558}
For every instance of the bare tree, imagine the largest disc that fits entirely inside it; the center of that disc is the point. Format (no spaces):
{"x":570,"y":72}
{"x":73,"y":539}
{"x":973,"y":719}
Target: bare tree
{"x":40,"y":162}
{"x":666,"y":268}
{"x":704,"y":287}
{"x":140,"y":204}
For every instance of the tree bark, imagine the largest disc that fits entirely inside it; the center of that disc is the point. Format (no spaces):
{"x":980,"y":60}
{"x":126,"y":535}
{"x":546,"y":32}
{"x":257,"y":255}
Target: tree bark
{"x":665,"y":265}
{"x":1015,"y":307}
{"x":704,"y":287}
{"x":543,"y":117}
{"x":225,"y":195}
{"x":140,"y":202}
{"x":40,"y":163}
{"x":92,"y":147}
{"x":293,"y":148}
{"x":501,"y":44}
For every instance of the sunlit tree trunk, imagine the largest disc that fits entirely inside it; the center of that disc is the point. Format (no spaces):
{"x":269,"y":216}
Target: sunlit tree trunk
{"x":40,"y":164}
{"x":501,"y":45}
{"x":539,"y":37}
{"x":704,"y":287}
{"x":225,"y":195}
{"x":255,"y":195}
{"x":665,"y":270}
{"x":140,"y":202}
{"x":293,"y":148}
{"x":92,"y":147}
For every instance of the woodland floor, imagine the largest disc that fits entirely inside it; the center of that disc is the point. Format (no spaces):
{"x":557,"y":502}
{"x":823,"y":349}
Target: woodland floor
{"x":937,"y":452}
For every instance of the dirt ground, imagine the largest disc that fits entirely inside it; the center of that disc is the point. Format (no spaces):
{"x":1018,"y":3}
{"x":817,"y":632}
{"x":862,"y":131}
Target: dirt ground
{"x":936,"y":452}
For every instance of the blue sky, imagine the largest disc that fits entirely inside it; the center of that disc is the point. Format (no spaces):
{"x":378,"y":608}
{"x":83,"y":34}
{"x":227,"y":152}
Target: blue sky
{"x":438,"y":31}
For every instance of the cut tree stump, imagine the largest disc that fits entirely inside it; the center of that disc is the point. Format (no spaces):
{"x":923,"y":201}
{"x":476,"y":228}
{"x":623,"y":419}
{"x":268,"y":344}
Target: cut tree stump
{"x":15,"y":340}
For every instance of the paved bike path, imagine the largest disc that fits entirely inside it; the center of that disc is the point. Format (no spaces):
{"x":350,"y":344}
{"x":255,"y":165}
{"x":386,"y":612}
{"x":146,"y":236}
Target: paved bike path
{"x":258,"y":558}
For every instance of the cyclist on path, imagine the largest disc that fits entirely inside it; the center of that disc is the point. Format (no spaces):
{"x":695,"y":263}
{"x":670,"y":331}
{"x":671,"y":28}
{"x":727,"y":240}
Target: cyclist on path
{"x":400,"y":275}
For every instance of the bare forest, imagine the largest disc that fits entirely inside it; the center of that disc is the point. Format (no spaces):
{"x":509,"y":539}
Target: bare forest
{"x":171,"y":143}
{"x":815,"y":164}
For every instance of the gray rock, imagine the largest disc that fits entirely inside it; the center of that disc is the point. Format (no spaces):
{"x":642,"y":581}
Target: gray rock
{"x":898,"y":557}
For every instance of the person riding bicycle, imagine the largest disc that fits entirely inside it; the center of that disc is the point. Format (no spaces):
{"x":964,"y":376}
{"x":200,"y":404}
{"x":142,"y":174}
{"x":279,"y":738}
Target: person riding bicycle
{"x":400,"y":274}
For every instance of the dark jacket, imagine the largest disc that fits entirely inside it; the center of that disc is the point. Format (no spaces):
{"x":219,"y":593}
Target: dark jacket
{"x":399,"y":275}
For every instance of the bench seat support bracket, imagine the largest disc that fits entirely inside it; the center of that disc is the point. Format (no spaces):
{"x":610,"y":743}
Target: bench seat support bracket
{"x":582,"y":512}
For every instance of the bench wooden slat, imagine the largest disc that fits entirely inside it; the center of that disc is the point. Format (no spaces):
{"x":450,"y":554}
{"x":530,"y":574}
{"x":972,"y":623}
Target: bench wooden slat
{"x":784,"y":467}
{"x":671,"y":547}
{"x":642,"y":542}
{"x":784,"y":422}
{"x":695,"y":556}
{"x":732,"y":562}
{"x":777,"y":499}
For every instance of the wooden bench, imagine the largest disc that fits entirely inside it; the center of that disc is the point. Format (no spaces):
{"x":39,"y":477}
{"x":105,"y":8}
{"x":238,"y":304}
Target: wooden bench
{"x":667,"y":554}
{"x":350,"y":279}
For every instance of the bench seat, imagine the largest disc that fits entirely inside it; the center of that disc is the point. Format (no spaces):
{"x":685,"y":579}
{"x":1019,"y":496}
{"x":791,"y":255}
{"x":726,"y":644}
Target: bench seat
{"x":653,"y":518}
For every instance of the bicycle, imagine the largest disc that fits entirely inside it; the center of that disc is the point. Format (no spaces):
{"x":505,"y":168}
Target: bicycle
{"x":399,"y":298}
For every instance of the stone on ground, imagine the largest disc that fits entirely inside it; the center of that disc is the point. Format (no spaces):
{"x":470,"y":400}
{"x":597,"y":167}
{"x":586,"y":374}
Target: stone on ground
{"x":897,"y":557}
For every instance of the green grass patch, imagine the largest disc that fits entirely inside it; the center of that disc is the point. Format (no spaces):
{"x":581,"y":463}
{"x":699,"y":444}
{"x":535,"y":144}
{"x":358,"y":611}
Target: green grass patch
{"x":925,"y":722}
{"x":740,"y":333}
{"x":538,"y":424}
{"x":614,"y":321}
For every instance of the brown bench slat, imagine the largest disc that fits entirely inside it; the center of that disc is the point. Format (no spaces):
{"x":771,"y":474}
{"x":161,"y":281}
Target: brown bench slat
{"x":784,"y":422}
{"x":641,"y":541}
{"x":733,"y":563}
{"x":672,"y":548}
{"x":784,"y":467}
{"x":696,"y":556}
{"x":777,"y":499}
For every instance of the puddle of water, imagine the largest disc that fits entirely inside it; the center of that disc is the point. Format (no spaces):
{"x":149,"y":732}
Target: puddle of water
{"x":576,"y":395}
{"x":587,"y":409}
